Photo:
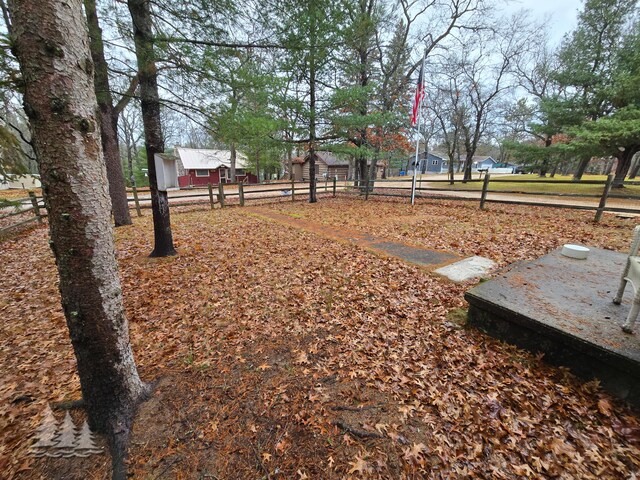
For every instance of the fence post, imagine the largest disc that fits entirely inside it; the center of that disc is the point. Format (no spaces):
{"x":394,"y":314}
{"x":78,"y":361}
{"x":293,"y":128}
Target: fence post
{"x":221,"y":194}
{"x":485,"y":187}
{"x":335,"y":180}
{"x":210,"y":195}
{"x":136,"y":201}
{"x":293,"y":190}
{"x":241,"y":192}
{"x":603,"y":199}
{"x":36,"y":207}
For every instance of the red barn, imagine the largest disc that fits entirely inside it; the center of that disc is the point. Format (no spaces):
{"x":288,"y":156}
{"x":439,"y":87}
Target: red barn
{"x":198,"y":167}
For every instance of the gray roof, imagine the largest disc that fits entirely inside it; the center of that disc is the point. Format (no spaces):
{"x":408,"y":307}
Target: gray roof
{"x":330,"y":159}
{"x":482,"y":158}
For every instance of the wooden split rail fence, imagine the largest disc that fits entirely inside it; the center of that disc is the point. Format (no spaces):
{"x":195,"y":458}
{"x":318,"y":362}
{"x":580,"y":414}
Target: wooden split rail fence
{"x":396,"y":188}
{"x":21,"y":206}
{"x":220,"y":195}
{"x":389,"y":187}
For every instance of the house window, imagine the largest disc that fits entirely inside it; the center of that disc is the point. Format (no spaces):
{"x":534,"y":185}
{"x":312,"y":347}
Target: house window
{"x":202,"y":173}
{"x":434,"y":162}
{"x":239,"y":171}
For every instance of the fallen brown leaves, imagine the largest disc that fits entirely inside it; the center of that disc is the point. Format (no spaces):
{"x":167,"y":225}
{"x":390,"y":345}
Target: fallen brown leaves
{"x":269,"y":339}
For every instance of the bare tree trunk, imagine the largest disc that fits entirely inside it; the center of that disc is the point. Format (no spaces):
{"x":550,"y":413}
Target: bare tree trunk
{"x":624,"y":163}
{"x":468,"y":163}
{"x":258,"y":164}
{"x":290,"y":159}
{"x":582,"y":166}
{"x":52,"y":47}
{"x":108,"y":120}
{"x":132,"y":177}
{"x":129,"y":142}
{"x":312,"y":102}
{"x":544,"y":167}
{"x":633,"y":171}
{"x":153,"y":139}
{"x":232,"y":162}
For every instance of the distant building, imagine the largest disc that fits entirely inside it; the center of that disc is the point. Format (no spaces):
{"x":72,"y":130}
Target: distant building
{"x":198,"y":167}
{"x":480,"y":162}
{"x":428,"y":163}
{"x":327,"y":166}
{"x":297,"y":163}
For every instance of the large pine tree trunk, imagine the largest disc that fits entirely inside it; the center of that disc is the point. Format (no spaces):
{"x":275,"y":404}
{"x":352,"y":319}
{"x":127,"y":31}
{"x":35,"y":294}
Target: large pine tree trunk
{"x":624,"y":163}
{"x":153,"y":139}
{"x":108,"y":120}
{"x":52,"y":47}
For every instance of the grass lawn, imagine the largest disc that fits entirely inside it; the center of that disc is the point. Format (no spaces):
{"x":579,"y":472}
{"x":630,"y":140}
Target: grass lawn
{"x":538,"y":185}
{"x":282,"y":354}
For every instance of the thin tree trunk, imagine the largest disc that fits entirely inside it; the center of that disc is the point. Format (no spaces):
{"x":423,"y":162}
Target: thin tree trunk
{"x":290,"y":159}
{"x":450,"y":173}
{"x":132,"y":177}
{"x":633,"y":172}
{"x":312,"y":102}
{"x":544,"y":167}
{"x":52,"y":48}
{"x":232,"y":162}
{"x":108,"y":120}
{"x":468,"y":163}
{"x":153,"y":139}
{"x":258,"y":165}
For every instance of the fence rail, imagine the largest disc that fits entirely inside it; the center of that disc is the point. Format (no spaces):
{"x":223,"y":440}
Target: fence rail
{"x":400,"y":188}
{"x":220,"y":194}
{"x":223,"y":195}
{"x":396,"y":188}
{"x":33,"y":205}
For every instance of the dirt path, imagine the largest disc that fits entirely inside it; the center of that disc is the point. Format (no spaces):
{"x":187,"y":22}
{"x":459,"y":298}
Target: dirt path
{"x":380,"y":246}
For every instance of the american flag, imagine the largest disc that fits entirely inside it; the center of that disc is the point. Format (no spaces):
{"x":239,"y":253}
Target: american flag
{"x":417,"y":101}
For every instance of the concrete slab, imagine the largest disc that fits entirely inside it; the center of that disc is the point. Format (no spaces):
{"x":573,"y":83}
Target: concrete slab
{"x":472,"y":267}
{"x":563,"y":307}
{"x":412,"y":254}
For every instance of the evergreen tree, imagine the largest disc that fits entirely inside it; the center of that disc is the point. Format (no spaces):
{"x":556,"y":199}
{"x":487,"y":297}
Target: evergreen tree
{"x":587,"y":60}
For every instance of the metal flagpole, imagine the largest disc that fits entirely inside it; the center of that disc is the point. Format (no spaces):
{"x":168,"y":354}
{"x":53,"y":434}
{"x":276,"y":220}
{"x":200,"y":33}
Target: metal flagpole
{"x":415,"y":165}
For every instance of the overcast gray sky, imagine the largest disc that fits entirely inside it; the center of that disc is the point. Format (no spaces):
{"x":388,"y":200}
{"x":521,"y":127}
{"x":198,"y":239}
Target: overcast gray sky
{"x":562,"y":14}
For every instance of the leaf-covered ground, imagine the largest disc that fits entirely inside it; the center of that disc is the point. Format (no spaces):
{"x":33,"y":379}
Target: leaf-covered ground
{"x":282,"y":354}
